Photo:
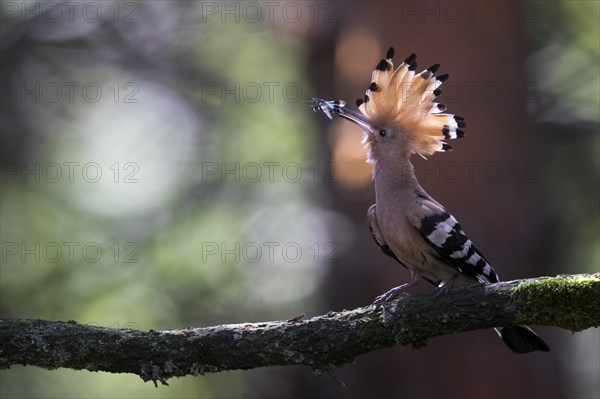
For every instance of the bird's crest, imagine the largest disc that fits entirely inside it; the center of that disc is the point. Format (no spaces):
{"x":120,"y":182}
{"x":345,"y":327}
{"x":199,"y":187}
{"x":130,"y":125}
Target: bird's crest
{"x":406,"y":100}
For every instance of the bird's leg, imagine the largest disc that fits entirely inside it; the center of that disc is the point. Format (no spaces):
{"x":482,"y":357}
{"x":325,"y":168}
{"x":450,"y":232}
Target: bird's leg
{"x":394,"y":292}
{"x":443,"y":288}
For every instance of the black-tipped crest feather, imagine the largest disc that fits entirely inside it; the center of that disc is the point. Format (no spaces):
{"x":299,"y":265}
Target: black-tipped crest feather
{"x":404,"y":99}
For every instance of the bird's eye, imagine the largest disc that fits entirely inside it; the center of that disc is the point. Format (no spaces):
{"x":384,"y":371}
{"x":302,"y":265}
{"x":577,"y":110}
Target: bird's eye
{"x":382,"y":133}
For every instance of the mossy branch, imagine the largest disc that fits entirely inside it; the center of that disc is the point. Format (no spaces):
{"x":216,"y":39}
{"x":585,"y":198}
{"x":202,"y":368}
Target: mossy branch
{"x":571,"y":302}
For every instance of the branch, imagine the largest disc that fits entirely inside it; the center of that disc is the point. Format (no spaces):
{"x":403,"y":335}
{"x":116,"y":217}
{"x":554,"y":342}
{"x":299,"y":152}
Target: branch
{"x":571,"y":302}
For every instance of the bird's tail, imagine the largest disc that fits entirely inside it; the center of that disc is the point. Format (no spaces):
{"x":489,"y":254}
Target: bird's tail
{"x":522,"y":339}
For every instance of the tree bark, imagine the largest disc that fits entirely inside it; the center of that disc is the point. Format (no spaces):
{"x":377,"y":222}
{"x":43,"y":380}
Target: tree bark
{"x":570,"y":302}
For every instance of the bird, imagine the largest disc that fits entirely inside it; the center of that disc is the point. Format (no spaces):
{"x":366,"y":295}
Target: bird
{"x":399,"y":116}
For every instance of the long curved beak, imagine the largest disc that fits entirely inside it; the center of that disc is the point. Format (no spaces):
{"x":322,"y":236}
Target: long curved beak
{"x":354,"y":117}
{"x":339,"y":108}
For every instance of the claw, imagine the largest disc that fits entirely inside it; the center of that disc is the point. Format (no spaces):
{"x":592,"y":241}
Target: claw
{"x":388,"y":296}
{"x":443,"y":288}
{"x":393,"y":293}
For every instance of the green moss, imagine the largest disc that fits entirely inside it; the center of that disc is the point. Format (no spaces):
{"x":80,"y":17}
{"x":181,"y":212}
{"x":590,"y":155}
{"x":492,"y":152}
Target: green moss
{"x":570,"y":302}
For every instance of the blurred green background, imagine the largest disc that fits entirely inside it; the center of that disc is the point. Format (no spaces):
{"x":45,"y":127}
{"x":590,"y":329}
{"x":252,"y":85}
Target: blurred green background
{"x":160,"y":168}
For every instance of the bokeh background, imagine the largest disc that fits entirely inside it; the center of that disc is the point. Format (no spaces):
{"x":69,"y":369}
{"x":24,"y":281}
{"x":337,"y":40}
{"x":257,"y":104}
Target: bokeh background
{"x":162,"y":169}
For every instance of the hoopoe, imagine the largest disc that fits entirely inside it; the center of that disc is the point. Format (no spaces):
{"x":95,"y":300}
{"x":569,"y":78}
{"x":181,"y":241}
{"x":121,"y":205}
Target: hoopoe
{"x":400,"y":117}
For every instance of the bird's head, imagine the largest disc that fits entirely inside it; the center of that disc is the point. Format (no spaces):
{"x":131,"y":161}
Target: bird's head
{"x":399,"y":114}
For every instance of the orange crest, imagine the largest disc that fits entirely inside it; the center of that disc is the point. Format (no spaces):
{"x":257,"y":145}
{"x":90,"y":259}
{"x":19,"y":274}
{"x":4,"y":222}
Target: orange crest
{"x":406,"y":100}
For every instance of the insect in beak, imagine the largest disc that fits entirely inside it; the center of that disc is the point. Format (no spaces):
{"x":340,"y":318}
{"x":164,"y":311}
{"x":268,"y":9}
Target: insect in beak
{"x":339,"y":108}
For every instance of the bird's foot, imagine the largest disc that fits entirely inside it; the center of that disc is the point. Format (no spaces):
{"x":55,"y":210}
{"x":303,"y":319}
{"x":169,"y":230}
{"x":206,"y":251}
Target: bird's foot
{"x":443,"y":288}
{"x":392,"y":294}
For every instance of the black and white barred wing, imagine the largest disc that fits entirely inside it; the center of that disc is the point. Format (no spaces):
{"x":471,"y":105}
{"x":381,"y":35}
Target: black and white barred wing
{"x":443,"y":233}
